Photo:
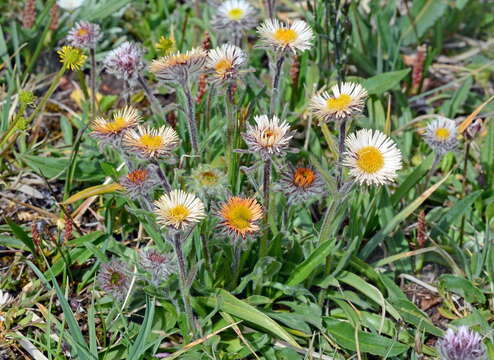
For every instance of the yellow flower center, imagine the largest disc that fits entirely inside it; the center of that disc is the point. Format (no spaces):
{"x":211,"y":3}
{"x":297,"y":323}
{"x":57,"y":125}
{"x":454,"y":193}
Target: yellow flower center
{"x":442,"y":134}
{"x":303,"y":177}
{"x":339,"y":103}
{"x":236,"y":14}
{"x":285,"y":36}
{"x":117,"y":124}
{"x":223,"y":66}
{"x":240,"y":217}
{"x":208,"y":178}
{"x":178,"y":213}
{"x":370,"y":160}
{"x":151,"y":142}
{"x":82,"y":32}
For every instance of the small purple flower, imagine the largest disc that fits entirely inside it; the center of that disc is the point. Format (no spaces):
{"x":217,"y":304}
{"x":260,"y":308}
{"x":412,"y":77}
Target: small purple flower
{"x":125,"y":62}
{"x":464,"y":344}
{"x":84,"y":35}
{"x":114,"y":279}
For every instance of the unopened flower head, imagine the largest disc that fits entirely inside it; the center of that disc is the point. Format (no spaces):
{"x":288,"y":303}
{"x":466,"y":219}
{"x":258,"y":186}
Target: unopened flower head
{"x":179,"y":210}
{"x":343,"y":102}
{"x":372,"y":157}
{"x":71,"y":57}
{"x":5,"y":299}
{"x":239,"y":216}
{"x":440,"y":134}
{"x":114,"y":278}
{"x":70,"y":5}
{"x":125,"y":62}
{"x":159,"y":265}
{"x":111,"y":131}
{"x":280,"y":37}
{"x":139,"y":182}
{"x":208,"y":179}
{"x":235,"y":15}
{"x":463,"y":344}
{"x":224,"y":62}
{"x":179,"y":67}
{"x":84,"y":35}
{"x":301,"y":183}
{"x":150,"y":143}
{"x":268,"y":137}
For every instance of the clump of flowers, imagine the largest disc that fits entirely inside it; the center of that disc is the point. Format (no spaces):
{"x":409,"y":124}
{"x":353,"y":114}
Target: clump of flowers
{"x":440,"y":134}
{"x":71,"y":57}
{"x":210,"y":180}
{"x":224,"y":62}
{"x":344,"y":102}
{"x":114,"y":278}
{"x":140,"y":182}
{"x":372,"y":157}
{"x":239,"y":216}
{"x":268,"y":137}
{"x":463,"y":344}
{"x":111,"y":131}
{"x":179,"y":210}
{"x":280,"y":37}
{"x":301,"y":183}
{"x":84,"y":35}
{"x":150,"y":143}
{"x":125,"y":62}
{"x":158,"y":265}
{"x":179,"y":67}
{"x":235,"y":16}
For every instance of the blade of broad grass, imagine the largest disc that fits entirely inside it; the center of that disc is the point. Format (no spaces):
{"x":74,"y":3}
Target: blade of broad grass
{"x":21,"y":235}
{"x":93,"y":191}
{"x":140,"y":346}
{"x":381,"y":235}
{"x":75,"y":332}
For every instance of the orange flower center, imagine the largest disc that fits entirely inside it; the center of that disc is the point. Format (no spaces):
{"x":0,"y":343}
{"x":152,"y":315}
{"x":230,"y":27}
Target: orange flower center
{"x":82,"y":32}
{"x":442,"y":134}
{"x":370,"y":159}
{"x":223,"y":66}
{"x":285,"y":36}
{"x":208,"y":178}
{"x":151,"y":142}
{"x":138,"y":176}
{"x":339,"y":103}
{"x":304,"y":177}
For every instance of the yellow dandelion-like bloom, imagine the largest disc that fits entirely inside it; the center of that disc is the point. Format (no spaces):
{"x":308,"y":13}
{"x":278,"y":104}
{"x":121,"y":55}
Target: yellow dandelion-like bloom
{"x":72,"y":58}
{"x":372,"y":157}
{"x":239,"y":216}
{"x":295,"y":37}
{"x":151,"y":143}
{"x":179,"y":210}
{"x":179,"y":67}
{"x":123,"y":120}
{"x":344,"y":102}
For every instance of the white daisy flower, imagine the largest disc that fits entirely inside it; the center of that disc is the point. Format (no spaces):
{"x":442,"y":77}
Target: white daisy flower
{"x":84,"y":35}
{"x":70,"y":4}
{"x":440,"y":134}
{"x":343,"y":103}
{"x":235,"y":15}
{"x":225,"y":61}
{"x":281,"y":37}
{"x":267,"y":137}
{"x":150,"y":143}
{"x":111,"y":131}
{"x":179,"y":210}
{"x":179,"y":67}
{"x":372,"y":157}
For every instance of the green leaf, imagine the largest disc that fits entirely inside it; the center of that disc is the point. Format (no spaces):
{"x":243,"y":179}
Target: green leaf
{"x":139,"y":346}
{"x":463,"y":287}
{"x":380,"y":83}
{"x":21,"y":235}
{"x":425,"y":13}
{"x":346,"y":336}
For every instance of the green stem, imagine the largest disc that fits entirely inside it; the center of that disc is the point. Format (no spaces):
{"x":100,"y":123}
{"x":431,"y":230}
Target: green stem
{"x":276,"y":84}
{"x":231,"y":131}
{"x":92,"y":55}
{"x":464,"y":187}
{"x":191,"y":119}
{"x":341,"y":150}
{"x":266,"y":182}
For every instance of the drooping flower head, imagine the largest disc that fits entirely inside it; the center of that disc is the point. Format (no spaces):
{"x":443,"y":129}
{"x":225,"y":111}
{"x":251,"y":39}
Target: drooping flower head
{"x":235,"y":15}
{"x":139,"y":182}
{"x":344,"y":102}
{"x":463,"y":344}
{"x":125,"y":62}
{"x":301,"y":183}
{"x":440,"y":134}
{"x":268,"y":137}
{"x":70,"y":5}
{"x":224,"y":62}
{"x":372,"y":157}
{"x":281,"y":37}
{"x":208,"y":179}
{"x":159,"y":265}
{"x":71,"y":57}
{"x":84,"y":35}
{"x":179,"y":210}
{"x":111,"y":131}
{"x":239,"y":216}
{"x":179,"y":67}
{"x":114,"y":278}
{"x":150,"y":143}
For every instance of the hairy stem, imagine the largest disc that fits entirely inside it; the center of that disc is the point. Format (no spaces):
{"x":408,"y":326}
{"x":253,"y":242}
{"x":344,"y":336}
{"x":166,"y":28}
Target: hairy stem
{"x":265,"y":187}
{"x":191,"y":119}
{"x":276,"y":84}
{"x":155,"y":105}
{"x":231,"y":131}
{"x":92,"y":55}
{"x":163,"y":178}
{"x":341,"y":150}
{"x":464,"y":187}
